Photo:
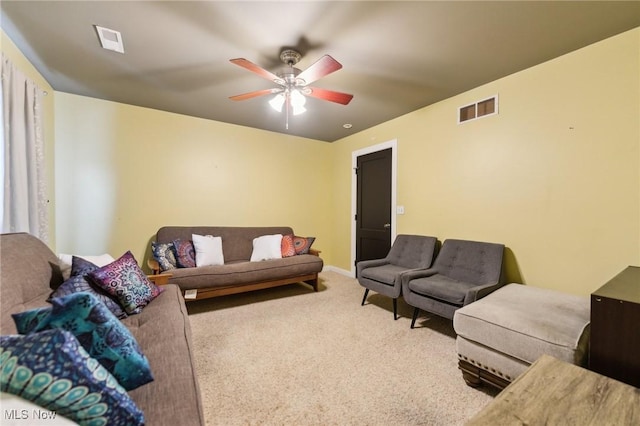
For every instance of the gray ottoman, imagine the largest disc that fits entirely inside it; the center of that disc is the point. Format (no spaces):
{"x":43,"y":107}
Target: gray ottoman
{"x":500,"y":335}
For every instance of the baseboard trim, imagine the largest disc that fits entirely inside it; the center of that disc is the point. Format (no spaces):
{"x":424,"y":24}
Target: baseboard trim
{"x":338,"y":270}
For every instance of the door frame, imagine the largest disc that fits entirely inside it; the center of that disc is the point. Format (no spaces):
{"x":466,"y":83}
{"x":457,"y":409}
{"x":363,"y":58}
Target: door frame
{"x":393,"y":144}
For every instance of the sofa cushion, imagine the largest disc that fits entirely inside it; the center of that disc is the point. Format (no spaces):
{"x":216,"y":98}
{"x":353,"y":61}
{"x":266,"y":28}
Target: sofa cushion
{"x":441,"y":287}
{"x":525,"y":322}
{"x":384,"y":274}
{"x":162,"y":329}
{"x":238,"y":273}
{"x":99,"y":332}
{"x":124,"y":280}
{"x":37,"y":367}
{"x":78,"y":282}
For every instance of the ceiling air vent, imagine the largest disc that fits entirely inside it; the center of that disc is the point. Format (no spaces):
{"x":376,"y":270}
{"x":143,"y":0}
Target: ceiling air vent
{"x":110,"y":39}
{"x":478,"y":109}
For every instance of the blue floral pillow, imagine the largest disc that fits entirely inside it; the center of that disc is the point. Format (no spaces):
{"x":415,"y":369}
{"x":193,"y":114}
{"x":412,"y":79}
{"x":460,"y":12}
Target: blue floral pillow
{"x":78,"y":282}
{"x":165,"y":255}
{"x":99,"y":332}
{"x":124,"y":280}
{"x":52,"y":370}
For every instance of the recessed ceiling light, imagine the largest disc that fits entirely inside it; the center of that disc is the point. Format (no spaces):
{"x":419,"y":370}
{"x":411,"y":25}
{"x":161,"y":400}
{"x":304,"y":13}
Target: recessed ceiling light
{"x":347,"y":125}
{"x":110,"y":39}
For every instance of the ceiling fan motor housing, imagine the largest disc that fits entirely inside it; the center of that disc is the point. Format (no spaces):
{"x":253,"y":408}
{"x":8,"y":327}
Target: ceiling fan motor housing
{"x":290,"y":57}
{"x":289,"y":73}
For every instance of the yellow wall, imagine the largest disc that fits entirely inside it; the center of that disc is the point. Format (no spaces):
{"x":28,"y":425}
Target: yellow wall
{"x":555,"y":176}
{"x":125,"y":171}
{"x":20,"y":61}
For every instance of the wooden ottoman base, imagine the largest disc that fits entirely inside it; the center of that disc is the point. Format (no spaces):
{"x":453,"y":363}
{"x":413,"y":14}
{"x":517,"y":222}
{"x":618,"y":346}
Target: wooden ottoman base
{"x":475,"y":376}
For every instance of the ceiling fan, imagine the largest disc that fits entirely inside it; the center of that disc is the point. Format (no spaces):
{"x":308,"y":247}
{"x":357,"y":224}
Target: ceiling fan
{"x":294,"y":83}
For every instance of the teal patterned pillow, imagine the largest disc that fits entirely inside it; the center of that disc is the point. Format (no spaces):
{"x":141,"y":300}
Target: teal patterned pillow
{"x":99,"y":332}
{"x":164,"y":254}
{"x":52,"y":370}
{"x":124,"y":280}
{"x":78,"y":282}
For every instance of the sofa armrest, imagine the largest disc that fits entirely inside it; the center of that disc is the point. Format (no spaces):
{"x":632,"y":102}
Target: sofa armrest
{"x":480,"y":291}
{"x":364,"y":264}
{"x":159,"y":279}
{"x":154,"y":266}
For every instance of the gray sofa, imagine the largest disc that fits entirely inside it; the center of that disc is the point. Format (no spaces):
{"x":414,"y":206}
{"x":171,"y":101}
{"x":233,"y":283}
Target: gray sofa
{"x":238,"y":274}
{"x":30,"y":271}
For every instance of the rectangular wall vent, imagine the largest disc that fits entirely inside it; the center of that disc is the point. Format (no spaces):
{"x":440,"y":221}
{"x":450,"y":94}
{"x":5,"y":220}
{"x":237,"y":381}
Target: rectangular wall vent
{"x":478,"y":109}
{"x":110,"y":39}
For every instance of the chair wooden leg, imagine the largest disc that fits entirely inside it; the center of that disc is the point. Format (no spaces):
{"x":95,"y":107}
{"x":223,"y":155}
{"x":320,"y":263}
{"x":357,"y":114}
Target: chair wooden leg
{"x":395,"y":309}
{"x":366,"y":292}
{"x":416,"y":311}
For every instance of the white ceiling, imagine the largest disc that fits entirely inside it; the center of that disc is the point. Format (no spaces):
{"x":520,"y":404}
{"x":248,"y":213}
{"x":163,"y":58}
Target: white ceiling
{"x":396,"y":56}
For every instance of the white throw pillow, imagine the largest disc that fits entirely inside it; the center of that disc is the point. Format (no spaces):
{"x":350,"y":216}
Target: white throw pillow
{"x":26,"y":412}
{"x":208,"y":250}
{"x":67,"y":259}
{"x":267,"y":247}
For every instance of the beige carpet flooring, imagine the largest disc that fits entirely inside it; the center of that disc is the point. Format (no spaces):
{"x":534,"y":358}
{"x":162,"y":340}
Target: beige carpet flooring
{"x":289,"y":356}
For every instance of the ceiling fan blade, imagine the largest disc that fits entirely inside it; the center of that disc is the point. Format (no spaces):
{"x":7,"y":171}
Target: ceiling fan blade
{"x":254,"y":94}
{"x":330,"y":95}
{"x":244,"y":63}
{"x":323,"y":66}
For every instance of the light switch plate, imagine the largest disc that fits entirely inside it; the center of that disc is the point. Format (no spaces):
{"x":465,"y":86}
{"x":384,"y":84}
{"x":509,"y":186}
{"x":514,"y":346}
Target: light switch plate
{"x":400,"y":210}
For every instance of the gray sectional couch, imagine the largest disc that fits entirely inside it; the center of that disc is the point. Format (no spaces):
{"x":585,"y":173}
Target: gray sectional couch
{"x":238,"y":274}
{"x":30,"y":270}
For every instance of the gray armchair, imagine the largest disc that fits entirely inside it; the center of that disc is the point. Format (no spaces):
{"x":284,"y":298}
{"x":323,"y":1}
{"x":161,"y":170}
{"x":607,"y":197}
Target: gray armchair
{"x":408,"y":253}
{"x":463,"y":272}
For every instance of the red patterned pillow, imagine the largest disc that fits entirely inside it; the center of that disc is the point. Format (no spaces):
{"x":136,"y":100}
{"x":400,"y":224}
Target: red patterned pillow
{"x":302,"y":244}
{"x":288,"y":249}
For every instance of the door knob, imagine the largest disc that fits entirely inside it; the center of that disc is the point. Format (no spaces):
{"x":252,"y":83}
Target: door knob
{"x":387,"y":225}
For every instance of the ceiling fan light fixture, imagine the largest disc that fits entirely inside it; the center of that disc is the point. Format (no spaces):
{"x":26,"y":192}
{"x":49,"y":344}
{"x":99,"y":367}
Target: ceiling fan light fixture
{"x":277,"y":102}
{"x":297,"y":99}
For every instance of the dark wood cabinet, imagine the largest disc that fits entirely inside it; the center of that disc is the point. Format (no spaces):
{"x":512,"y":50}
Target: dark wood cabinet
{"x":615,"y":328}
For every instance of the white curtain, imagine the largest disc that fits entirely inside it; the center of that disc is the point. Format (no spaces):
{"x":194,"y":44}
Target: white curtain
{"x":24,"y":205}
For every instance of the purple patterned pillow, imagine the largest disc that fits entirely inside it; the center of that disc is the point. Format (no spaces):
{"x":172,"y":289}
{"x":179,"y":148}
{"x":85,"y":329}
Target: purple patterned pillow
{"x":124,"y":280}
{"x":78,"y":282}
{"x":185,"y":253}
